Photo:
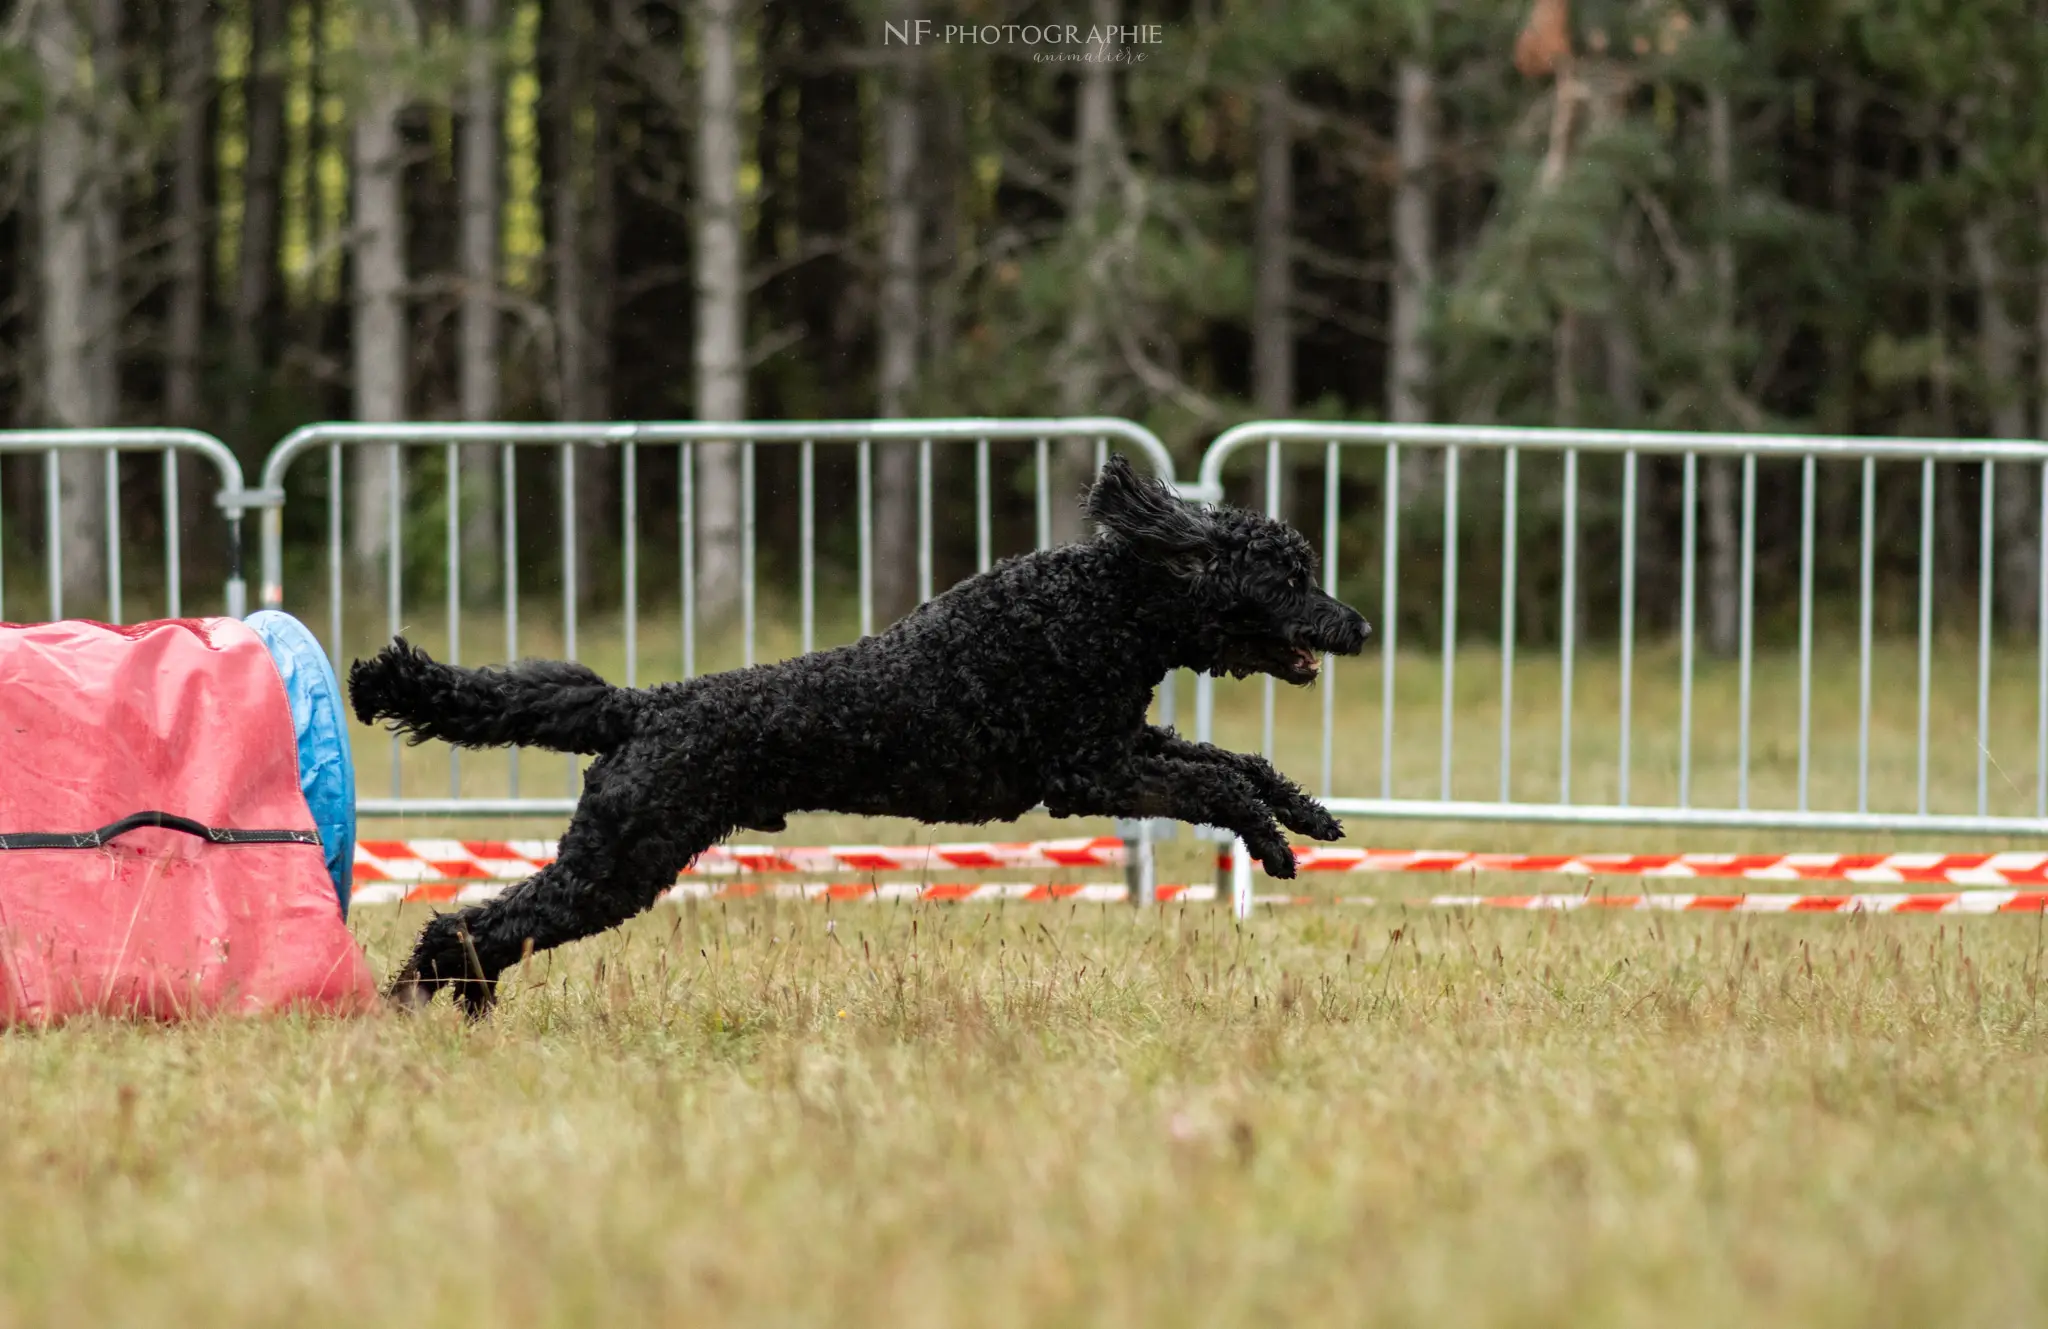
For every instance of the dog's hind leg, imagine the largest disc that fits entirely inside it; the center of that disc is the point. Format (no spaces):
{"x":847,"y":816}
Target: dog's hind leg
{"x":1292,"y":804}
{"x":615,"y":860}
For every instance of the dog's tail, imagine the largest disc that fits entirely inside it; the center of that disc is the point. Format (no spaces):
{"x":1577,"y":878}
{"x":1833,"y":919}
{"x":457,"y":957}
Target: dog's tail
{"x":536,"y":703}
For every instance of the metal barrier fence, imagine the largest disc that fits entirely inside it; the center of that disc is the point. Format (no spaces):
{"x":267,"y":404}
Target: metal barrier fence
{"x":1503,"y":449}
{"x":232,"y":498}
{"x":336,"y":440}
{"x":1465,"y":463}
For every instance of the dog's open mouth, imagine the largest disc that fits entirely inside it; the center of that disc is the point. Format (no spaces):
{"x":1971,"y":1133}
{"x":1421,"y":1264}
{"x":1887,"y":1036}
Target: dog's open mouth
{"x":1290,"y":664}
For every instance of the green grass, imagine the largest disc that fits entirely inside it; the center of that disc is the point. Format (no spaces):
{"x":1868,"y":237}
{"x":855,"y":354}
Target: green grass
{"x":1076,"y":1115}
{"x":782,"y":1113}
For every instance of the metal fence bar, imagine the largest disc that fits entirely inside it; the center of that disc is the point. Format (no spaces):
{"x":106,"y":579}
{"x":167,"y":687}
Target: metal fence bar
{"x":983,"y":518}
{"x":865,"y":521}
{"x":1865,"y":558}
{"x":1266,"y":680}
{"x":1688,"y":608}
{"x":1043,"y":493}
{"x":1926,"y":616}
{"x":1746,"y":665}
{"x":686,"y":469}
{"x":53,"y":532}
{"x":807,"y":540}
{"x":1628,"y":616}
{"x":508,"y":484}
{"x":630,"y":482}
{"x":1807,"y":481}
{"x":1390,"y":507}
{"x":111,"y":492}
{"x":1613,"y":442}
{"x":452,"y":572}
{"x":1450,"y":619}
{"x":1568,"y":628}
{"x":174,"y":572}
{"x":2041,"y":655}
{"x":1510,"y":508}
{"x":924,"y":520}
{"x":1331,"y":489}
{"x":747,"y":533}
{"x":394,"y":569}
{"x":570,"y":575}
{"x":334,"y":605}
{"x":1984,"y":531}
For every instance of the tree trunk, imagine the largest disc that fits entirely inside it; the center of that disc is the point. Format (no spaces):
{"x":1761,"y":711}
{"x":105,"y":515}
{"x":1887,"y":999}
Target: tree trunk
{"x":192,"y":86}
{"x":379,"y":335}
{"x":1408,"y":359}
{"x":896,"y":545}
{"x":1622,"y":355}
{"x":1272,"y":250}
{"x":73,"y":218}
{"x":1081,"y":354}
{"x":565,"y":237}
{"x":1272,"y":272}
{"x":1838,"y":401}
{"x":262,"y":176}
{"x":721,"y":305}
{"x":1953,"y":518}
{"x":2016,"y":563}
{"x":1724,"y":569}
{"x":1622,"y":365}
{"x":581,"y":246}
{"x":597,"y":486}
{"x":482,"y":333}
{"x":1564,"y":370}
{"x":191,"y":93}
{"x":941,"y":116}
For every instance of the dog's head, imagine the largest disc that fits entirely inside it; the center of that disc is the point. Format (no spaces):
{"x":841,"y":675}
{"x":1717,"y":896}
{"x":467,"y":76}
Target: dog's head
{"x":1248,"y":582}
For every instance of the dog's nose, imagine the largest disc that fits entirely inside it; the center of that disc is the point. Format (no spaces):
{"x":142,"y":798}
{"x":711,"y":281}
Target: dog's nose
{"x":1356,"y":628}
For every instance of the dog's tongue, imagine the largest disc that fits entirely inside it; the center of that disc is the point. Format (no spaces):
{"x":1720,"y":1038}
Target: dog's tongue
{"x":1306,"y":658}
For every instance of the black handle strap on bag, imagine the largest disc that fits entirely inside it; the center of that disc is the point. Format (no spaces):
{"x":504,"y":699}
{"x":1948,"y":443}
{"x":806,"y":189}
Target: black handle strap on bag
{"x":167,"y":821}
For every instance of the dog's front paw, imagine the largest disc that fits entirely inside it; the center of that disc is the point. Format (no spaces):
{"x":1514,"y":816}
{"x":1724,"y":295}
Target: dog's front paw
{"x":1310,"y":818}
{"x":444,"y":957}
{"x":1270,"y":847}
{"x":478,"y":996}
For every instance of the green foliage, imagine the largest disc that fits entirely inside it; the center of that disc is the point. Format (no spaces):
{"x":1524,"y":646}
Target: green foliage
{"x":21,"y":90}
{"x":1579,"y":222}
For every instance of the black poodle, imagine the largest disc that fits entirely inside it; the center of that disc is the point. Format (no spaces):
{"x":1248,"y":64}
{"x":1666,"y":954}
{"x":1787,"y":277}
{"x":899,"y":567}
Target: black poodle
{"x":1024,"y":685}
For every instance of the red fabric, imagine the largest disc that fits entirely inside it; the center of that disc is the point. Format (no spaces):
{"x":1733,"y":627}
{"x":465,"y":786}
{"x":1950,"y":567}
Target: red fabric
{"x":186,"y":717}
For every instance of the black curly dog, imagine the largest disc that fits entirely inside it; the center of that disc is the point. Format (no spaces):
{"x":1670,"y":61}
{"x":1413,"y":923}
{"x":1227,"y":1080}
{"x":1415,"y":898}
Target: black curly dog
{"x":1024,"y":685}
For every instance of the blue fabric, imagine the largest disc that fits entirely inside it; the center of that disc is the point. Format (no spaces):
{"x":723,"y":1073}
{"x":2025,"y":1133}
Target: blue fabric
{"x":327,"y":771}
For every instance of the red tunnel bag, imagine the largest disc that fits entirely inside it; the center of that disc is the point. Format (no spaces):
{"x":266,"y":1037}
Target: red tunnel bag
{"x":188,"y":718}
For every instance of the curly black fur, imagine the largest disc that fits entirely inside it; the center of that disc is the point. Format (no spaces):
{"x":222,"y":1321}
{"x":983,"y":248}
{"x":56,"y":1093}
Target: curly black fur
{"x":1028,"y":684}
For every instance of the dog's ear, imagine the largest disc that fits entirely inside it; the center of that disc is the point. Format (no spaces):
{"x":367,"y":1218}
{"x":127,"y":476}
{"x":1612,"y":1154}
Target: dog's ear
{"x":1157,"y":522}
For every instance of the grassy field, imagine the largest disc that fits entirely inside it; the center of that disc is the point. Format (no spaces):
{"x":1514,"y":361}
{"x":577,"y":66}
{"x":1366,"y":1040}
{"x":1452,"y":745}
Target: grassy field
{"x":942,"y":1115}
{"x":1077,"y":1115}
